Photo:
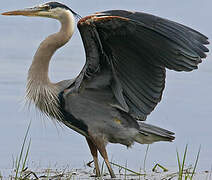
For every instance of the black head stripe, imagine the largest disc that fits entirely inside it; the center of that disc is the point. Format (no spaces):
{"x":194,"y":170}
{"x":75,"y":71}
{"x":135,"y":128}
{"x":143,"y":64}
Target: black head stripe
{"x":57,"y":4}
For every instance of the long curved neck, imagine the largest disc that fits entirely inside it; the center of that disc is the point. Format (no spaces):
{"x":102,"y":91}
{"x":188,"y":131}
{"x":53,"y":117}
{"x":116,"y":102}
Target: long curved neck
{"x":40,"y":90}
{"x":40,"y":65}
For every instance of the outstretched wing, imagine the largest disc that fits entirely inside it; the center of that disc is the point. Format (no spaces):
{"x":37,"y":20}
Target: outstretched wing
{"x":137,"y":47}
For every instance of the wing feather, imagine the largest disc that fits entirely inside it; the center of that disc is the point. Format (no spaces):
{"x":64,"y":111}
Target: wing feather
{"x":136,"y":48}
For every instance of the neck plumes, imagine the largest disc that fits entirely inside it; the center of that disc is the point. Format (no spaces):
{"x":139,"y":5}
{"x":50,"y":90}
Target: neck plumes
{"x":40,"y":90}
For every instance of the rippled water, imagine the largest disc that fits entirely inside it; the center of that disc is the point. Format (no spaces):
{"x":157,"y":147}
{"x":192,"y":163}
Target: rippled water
{"x":185,"y":108}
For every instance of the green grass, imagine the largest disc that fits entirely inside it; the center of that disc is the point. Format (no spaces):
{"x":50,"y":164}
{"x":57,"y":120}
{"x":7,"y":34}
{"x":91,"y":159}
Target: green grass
{"x":160,"y":166}
{"x":189,"y":173}
{"x":20,"y":165}
{"x":127,"y":169}
{"x":22,"y":172}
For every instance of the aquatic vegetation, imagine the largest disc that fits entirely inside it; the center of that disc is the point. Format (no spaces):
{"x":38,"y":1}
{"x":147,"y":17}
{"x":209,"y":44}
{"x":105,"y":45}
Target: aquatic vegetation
{"x":20,"y":165}
{"x":23,"y":173}
{"x":186,"y":173}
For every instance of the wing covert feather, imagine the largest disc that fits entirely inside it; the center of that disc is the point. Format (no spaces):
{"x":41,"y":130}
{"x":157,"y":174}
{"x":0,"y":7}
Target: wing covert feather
{"x":137,"y":47}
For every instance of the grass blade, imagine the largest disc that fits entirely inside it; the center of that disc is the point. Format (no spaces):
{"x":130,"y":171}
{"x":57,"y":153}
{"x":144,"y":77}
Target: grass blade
{"x":160,"y":166}
{"x":145,"y":157}
{"x":125,"y":171}
{"x":102,"y":168}
{"x":138,"y":174}
{"x":184,"y":157}
{"x":21,"y":153}
{"x":195,"y":166}
{"x":1,"y":177}
{"x":179,"y":164}
{"x":26,"y":156}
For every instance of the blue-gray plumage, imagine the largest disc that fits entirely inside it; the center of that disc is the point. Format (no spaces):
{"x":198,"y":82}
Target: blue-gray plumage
{"x":122,"y":81}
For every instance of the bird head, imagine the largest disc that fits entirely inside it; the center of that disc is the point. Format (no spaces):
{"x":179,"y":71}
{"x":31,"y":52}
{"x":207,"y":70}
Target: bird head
{"x":51,"y":10}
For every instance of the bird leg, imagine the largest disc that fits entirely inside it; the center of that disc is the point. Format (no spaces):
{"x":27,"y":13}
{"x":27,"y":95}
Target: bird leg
{"x":94,"y":153}
{"x":103,"y":152}
{"x":101,"y":148}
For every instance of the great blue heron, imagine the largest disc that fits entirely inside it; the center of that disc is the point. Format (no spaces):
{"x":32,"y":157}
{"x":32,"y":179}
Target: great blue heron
{"x":123,"y":78}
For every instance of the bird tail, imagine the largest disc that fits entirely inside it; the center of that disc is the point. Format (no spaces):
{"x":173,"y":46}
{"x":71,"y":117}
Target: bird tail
{"x":149,"y":134}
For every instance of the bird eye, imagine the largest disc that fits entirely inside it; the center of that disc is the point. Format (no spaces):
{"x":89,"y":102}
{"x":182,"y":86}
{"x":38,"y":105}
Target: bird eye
{"x":47,"y":7}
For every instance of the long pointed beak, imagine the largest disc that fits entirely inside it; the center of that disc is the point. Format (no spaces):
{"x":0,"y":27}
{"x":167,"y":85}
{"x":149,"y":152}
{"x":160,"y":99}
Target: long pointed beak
{"x":25,"y":12}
